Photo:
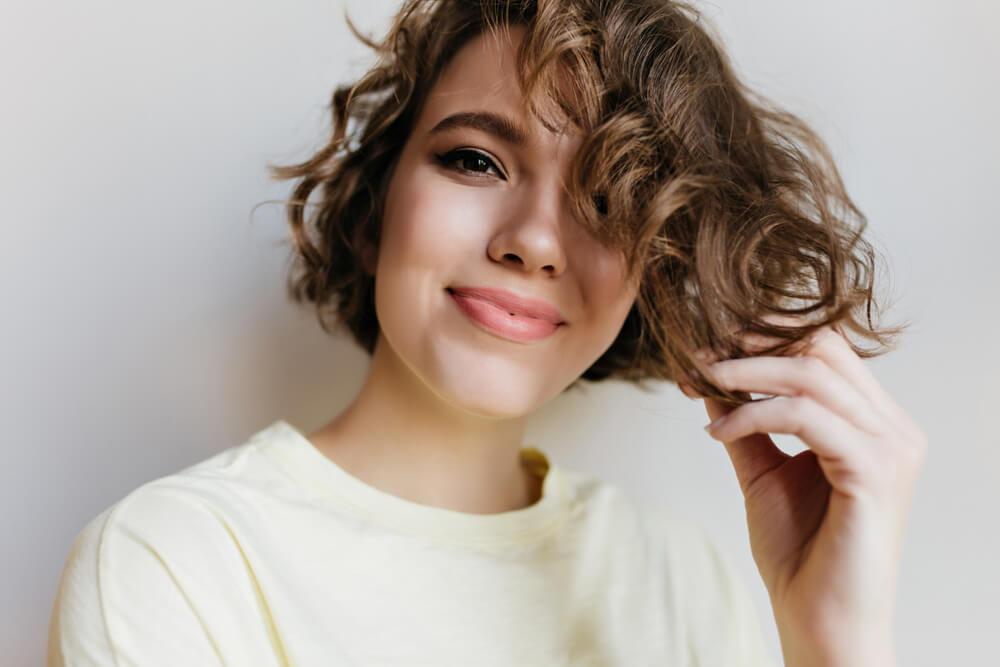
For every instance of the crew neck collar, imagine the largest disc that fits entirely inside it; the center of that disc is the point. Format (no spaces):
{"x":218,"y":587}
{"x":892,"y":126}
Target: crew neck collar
{"x":324,"y":477}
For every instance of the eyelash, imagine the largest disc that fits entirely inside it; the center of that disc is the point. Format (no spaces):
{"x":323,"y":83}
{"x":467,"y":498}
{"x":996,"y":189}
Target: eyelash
{"x":449,"y":159}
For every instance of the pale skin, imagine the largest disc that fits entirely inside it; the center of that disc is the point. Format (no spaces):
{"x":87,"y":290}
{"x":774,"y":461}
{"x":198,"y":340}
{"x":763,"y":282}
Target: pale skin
{"x":441,"y":415}
{"x":825,"y":526}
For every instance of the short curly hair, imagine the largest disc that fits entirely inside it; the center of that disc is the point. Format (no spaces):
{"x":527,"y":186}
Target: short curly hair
{"x":729,"y":209}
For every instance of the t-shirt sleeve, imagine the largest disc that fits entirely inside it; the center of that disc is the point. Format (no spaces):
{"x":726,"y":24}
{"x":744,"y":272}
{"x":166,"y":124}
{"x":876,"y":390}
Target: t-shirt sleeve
{"x":77,"y":631}
{"x":118,"y":602}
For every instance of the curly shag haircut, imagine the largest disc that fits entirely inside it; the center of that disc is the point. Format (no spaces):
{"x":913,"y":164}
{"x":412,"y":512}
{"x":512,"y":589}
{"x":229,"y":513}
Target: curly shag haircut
{"x":729,"y":210}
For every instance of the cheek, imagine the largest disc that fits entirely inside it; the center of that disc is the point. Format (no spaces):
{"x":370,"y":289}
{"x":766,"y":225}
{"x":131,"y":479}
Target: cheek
{"x":605,"y":276}
{"x":610,"y":296}
{"x":432,"y":223}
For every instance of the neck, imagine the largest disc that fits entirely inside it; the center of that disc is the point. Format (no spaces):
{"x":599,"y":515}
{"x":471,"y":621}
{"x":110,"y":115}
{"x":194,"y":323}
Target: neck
{"x":401,"y":438}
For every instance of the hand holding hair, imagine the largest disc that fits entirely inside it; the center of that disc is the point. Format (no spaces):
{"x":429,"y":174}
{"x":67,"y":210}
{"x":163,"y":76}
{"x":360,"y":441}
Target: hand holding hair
{"x":826,"y":525}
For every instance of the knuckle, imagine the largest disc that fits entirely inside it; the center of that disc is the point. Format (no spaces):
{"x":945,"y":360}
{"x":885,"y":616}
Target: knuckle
{"x":827,"y":336}
{"x":800,"y":410}
{"x":909,"y":451}
{"x":719,"y":373}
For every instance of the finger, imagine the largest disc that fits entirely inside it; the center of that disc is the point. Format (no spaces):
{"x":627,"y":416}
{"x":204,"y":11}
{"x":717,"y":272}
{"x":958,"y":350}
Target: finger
{"x":752,"y":455}
{"x":687,"y":390}
{"x":837,"y":444}
{"x":757,"y":342}
{"x":797,"y":376}
{"x":752,"y":342}
{"x":831,"y":346}
{"x":827,"y":343}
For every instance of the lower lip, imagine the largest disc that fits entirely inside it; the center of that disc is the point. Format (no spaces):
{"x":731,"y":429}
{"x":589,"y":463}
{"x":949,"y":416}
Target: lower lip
{"x":498,"y":321}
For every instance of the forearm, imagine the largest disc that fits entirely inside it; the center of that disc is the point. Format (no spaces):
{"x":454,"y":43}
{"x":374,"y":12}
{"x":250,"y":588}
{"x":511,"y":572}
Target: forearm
{"x":800,"y":649}
{"x":806,"y":657}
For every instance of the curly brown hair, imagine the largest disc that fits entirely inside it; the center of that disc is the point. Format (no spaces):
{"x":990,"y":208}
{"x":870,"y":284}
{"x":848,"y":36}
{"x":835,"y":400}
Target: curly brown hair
{"x":729,"y":210}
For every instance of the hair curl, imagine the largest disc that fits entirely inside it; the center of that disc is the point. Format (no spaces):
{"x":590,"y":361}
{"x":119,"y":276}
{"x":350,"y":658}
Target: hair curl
{"x":728,"y":209}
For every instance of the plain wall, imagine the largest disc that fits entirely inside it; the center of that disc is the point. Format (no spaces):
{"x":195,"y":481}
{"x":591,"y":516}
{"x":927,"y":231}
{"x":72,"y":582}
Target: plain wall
{"x":145,"y":325}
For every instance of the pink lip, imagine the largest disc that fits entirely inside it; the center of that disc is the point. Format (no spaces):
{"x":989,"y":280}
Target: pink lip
{"x":492,"y":309}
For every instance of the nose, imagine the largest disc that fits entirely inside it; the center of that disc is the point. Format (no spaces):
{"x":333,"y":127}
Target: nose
{"x":530,"y":238}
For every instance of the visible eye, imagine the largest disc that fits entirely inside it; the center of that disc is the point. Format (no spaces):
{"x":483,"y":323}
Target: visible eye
{"x":469,"y":160}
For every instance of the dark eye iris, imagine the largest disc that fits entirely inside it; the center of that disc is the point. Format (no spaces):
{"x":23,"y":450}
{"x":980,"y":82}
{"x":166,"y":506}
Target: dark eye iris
{"x":469,"y":160}
{"x":474,"y":162}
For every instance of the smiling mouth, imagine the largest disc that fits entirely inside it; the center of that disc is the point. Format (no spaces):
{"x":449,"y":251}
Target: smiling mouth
{"x":501,"y":321}
{"x":513,"y":304}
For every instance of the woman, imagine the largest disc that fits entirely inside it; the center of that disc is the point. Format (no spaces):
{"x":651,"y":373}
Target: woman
{"x":517,"y":196}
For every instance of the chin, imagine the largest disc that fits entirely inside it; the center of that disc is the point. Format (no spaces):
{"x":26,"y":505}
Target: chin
{"x":494,"y":395}
{"x":472,"y":371}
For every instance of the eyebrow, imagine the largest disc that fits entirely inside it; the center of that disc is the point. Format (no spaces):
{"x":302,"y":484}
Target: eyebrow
{"x":492,"y":123}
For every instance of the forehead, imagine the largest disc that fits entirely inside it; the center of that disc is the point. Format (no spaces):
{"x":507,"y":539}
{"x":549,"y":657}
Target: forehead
{"x":484,"y":68}
{"x":482,"y":76}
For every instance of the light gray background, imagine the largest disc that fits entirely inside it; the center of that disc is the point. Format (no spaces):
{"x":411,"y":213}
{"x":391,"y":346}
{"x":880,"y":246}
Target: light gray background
{"x":144,"y":323}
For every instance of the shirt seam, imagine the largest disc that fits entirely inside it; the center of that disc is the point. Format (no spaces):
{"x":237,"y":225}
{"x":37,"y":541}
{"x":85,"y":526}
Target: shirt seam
{"x":102,"y":565}
{"x":101,"y":557}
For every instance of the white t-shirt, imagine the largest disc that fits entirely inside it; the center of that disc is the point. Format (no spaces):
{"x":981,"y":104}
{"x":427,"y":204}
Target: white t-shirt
{"x":268,"y":553}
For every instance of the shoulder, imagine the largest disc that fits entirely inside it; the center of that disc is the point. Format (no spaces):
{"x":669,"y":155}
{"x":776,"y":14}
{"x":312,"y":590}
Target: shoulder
{"x":77,"y":628}
{"x":119,"y":586}
{"x":176,"y":518}
{"x":126,"y":595}
{"x":137,"y":573}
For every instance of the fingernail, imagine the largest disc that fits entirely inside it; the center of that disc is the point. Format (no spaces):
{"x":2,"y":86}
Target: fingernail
{"x":715,"y":424}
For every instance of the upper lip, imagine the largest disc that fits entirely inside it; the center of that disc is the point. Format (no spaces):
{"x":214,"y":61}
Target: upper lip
{"x":511,"y":302}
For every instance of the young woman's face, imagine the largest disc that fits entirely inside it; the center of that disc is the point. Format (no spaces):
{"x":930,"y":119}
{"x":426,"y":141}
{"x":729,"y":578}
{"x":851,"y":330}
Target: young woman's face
{"x":476,"y":202}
